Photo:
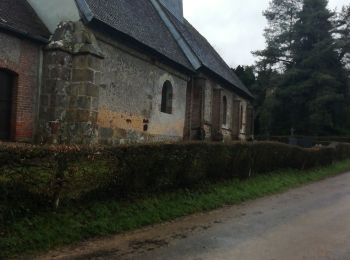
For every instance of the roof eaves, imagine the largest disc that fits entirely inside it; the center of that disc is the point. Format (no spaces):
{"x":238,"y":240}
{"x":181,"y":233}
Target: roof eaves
{"x":24,"y":33}
{"x":242,"y":91}
{"x":44,"y":27}
{"x":243,"y":85}
{"x":235,"y":81}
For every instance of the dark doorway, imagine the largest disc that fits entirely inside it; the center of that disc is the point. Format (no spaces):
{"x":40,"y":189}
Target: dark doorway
{"x":6,"y":87}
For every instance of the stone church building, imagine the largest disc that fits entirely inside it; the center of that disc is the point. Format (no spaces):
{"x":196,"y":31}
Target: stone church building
{"x":114,"y":71}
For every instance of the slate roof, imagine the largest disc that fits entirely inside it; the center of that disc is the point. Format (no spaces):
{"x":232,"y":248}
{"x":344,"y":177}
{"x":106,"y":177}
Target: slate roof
{"x":206,"y":53}
{"x":141,"y":21}
{"x":18,"y":16}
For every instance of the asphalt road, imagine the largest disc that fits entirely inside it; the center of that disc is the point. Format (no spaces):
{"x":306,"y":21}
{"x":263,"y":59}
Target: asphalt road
{"x":312,"y":222}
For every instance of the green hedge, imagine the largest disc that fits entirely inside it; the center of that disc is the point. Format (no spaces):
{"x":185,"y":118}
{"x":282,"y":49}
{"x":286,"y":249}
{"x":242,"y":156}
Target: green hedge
{"x":37,"y":178}
{"x":314,"y":139}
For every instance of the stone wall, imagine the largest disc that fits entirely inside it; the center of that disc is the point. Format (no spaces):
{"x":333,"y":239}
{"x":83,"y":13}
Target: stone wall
{"x":98,"y":90}
{"x":130,"y":97}
{"x":213,"y":125}
{"x":22,"y":57}
{"x":243,"y":119}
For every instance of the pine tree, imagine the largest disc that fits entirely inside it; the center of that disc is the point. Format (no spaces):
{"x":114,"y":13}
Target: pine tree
{"x":274,"y":60}
{"x":342,"y":35}
{"x":303,"y":73}
{"x":314,"y":91}
{"x":266,"y":84}
{"x":281,"y":17}
{"x":246,"y":75}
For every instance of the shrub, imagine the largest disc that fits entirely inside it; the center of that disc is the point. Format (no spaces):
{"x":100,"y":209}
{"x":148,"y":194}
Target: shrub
{"x":324,"y":140}
{"x":34,"y":178}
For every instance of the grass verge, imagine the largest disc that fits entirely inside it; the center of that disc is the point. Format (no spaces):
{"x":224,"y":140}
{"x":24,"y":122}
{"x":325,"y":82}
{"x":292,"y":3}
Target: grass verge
{"x":72,"y":224}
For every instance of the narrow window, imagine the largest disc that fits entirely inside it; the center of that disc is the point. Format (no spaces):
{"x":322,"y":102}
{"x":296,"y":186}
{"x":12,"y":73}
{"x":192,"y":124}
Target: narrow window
{"x":241,"y":118}
{"x":224,"y":110}
{"x":167,"y":98}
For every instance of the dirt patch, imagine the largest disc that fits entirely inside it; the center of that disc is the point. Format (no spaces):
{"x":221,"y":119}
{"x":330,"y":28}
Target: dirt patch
{"x":98,"y":254}
{"x":148,"y":244}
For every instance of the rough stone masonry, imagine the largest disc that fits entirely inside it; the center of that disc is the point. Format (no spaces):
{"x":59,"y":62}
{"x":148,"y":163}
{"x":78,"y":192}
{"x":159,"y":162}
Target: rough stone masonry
{"x":114,"y":72}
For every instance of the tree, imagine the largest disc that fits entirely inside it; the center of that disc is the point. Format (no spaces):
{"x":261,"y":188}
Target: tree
{"x":281,"y":17}
{"x":342,"y":35}
{"x":246,"y":75}
{"x":302,"y":76}
{"x":314,"y":91}
{"x":266,"y":102}
{"x":273,"y":61}
{"x":262,"y":84}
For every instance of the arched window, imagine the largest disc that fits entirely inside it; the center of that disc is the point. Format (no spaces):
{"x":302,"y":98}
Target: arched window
{"x":167,"y":98}
{"x":6,"y":90}
{"x":224,"y":110}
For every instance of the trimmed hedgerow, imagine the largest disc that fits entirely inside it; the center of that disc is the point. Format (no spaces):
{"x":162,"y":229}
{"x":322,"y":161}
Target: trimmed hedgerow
{"x":314,"y":139}
{"x":39,"y":178}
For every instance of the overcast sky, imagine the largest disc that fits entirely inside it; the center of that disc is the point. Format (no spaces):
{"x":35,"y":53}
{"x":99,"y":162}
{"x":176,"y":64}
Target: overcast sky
{"x":233,"y":27}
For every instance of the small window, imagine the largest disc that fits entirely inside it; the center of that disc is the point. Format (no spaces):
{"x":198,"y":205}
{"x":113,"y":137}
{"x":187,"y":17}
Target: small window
{"x":224,"y":110}
{"x":241,"y":118}
{"x":167,"y":98}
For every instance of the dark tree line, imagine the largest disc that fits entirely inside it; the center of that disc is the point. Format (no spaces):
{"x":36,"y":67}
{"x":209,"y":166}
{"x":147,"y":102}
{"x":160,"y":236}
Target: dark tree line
{"x":301,"y":80}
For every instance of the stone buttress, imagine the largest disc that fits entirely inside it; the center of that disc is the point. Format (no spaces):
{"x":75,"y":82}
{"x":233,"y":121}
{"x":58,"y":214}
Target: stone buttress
{"x":70,"y":92}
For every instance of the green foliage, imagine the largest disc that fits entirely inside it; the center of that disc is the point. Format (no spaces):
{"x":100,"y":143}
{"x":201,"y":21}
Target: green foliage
{"x":92,"y":218}
{"x":246,"y":75}
{"x":310,"y":85}
{"x":315,"y":92}
{"x":34,"y":179}
{"x":316,"y":140}
{"x":281,"y":17}
{"x":342,"y":36}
